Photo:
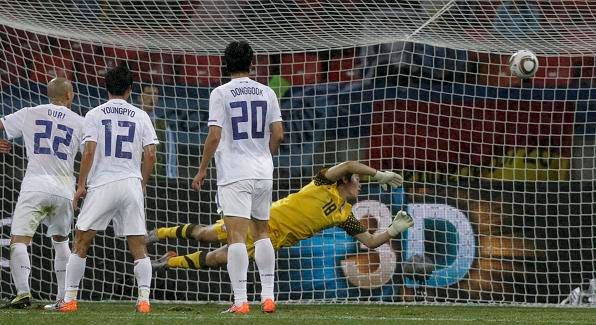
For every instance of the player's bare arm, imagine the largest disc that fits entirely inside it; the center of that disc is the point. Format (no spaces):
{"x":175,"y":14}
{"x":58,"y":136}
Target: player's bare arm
{"x":4,"y":144}
{"x":373,"y":241}
{"x":401,"y":222}
{"x":149,"y":157}
{"x":277,"y":136}
{"x":353,"y":167}
{"x":211,"y":144}
{"x":336,"y":172}
{"x":86,"y":164}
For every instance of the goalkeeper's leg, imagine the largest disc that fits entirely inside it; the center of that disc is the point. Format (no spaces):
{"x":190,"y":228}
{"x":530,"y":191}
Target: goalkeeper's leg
{"x":197,"y":260}
{"x":186,"y":231}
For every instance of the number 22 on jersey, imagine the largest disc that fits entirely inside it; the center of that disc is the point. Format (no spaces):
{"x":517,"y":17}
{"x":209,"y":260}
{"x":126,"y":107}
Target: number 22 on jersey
{"x":57,"y":139}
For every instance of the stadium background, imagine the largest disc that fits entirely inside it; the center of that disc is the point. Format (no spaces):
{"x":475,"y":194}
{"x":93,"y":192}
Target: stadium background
{"x":465,"y":133}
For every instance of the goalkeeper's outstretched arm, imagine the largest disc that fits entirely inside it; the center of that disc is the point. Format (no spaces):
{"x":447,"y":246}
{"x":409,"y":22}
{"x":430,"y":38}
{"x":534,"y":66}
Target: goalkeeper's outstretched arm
{"x":346,"y":168}
{"x":401,"y":222}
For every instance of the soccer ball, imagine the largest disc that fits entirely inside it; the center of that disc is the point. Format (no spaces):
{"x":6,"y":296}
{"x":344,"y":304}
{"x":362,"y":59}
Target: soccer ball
{"x":523,"y":64}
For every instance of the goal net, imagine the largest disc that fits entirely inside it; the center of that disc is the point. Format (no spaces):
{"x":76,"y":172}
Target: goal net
{"x":499,"y":171}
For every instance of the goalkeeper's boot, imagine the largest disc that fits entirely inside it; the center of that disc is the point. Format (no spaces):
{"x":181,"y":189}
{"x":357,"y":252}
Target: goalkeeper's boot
{"x":268,"y":306}
{"x":161,"y":264}
{"x":143,"y":307}
{"x":19,"y":302}
{"x":67,"y":307}
{"x":151,"y":237}
{"x":239,"y":310}
{"x":53,"y":306}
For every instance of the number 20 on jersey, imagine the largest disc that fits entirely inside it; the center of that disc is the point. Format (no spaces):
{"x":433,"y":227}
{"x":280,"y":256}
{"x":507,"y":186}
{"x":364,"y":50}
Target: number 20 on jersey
{"x":257,"y":119}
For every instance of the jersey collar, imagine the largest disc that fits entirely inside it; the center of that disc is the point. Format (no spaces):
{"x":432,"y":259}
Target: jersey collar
{"x":117,"y":101}
{"x":54,"y":106}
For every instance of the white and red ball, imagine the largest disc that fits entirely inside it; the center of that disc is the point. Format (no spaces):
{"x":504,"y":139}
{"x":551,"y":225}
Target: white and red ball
{"x":523,"y":64}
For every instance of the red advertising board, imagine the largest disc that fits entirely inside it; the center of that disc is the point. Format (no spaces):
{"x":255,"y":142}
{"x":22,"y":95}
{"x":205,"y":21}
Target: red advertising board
{"x":429,"y":136}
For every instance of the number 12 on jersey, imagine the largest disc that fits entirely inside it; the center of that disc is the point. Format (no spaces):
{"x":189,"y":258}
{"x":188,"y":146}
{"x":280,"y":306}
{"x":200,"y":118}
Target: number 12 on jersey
{"x":257,"y":120}
{"x":120,"y":139}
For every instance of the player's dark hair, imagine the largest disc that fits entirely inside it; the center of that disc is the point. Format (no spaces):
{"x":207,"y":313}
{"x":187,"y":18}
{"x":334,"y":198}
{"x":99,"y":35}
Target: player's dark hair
{"x":118,"y":80}
{"x":238,"y":57}
{"x":342,"y":180}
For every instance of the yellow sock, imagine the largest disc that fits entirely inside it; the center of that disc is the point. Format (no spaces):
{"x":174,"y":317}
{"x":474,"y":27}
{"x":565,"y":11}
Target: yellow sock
{"x":179,"y":232}
{"x":190,"y":261}
{"x":166,"y":232}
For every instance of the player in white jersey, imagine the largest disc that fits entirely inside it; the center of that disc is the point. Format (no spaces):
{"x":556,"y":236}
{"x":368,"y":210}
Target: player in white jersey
{"x":245,"y":129}
{"x":116,"y":135}
{"x":52,"y":137}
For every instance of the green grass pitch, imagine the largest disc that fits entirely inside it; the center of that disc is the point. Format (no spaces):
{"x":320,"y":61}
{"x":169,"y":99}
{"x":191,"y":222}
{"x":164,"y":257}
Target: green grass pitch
{"x":123,"y":313}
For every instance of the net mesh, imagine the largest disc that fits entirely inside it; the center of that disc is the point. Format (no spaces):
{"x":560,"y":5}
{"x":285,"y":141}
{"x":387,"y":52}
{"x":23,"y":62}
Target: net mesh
{"x":549,"y":27}
{"x":499,"y":171}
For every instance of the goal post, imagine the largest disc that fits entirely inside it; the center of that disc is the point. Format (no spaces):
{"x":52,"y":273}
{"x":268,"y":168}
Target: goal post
{"x":499,"y":171}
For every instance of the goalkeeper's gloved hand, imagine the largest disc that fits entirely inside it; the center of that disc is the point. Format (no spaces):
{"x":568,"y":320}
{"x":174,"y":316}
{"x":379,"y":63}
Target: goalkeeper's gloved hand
{"x":401,"y":222}
{"x":391,"y":178}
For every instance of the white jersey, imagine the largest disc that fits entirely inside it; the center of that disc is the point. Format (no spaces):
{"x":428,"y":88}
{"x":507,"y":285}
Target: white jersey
{"x":244,"y":109}
{"x":52,"y":136}
{"x":121,"y":131}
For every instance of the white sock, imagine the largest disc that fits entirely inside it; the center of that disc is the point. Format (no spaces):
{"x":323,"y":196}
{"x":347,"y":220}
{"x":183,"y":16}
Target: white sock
{"x":20,"y":267}
{"x":265,"y":259}
{"x":75,"y":269}
{"x":237,"y":270}
{"x":62,"y":252}
{"x":143,"y":274}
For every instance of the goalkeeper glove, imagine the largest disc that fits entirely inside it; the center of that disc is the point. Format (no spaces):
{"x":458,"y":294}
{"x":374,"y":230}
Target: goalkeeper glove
{"x":401,"y":222}
{"x":391,"y":178}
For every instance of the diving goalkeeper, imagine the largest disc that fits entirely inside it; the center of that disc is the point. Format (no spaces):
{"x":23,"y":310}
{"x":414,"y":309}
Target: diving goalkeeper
{"x":324,"y":203}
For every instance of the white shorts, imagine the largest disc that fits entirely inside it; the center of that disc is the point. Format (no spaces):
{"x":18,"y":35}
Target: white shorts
{"x":121,"y":201}
{"x":34,"y":208}
{"x":246,"y":198}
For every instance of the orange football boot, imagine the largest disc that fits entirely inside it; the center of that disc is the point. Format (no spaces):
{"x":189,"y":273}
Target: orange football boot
{"x":67,"y":307}
{"x":268,"y":306}
{"x":143,"y":307}
{"x":239,"y":310}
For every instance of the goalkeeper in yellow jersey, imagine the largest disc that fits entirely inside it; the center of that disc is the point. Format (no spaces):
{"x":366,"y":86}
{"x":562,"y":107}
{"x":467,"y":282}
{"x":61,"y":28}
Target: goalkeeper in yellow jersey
{"x":324,"y":203}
